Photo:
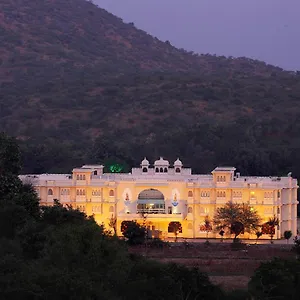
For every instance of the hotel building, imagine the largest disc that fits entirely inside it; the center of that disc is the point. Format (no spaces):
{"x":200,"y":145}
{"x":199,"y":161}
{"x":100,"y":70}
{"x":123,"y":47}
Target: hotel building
{"x":163,"y":194}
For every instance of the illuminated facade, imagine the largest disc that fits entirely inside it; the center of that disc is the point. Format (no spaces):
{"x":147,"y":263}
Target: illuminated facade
{"x":163,"y":194}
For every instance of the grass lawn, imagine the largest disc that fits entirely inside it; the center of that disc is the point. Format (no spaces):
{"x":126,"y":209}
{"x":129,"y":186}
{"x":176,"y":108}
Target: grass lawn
{"x":229,"y":268}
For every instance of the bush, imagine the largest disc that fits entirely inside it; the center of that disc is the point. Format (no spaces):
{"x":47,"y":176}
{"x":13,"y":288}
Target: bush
{"x":277,"y":279}
{"x":134,"y":233}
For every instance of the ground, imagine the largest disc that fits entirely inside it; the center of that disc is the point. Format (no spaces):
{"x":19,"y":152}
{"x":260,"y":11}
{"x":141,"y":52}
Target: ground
{"x":231,"y":269}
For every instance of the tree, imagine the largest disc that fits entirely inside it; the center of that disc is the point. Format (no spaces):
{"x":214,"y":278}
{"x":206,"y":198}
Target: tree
{"x":287,"y":235}
{"x":134,"y":232}
{"x":176,"y":228}
{"x":277,"y":279}
{"x":236,"y":228}
{"x":207,"y":226}
{"x":113,"y":224}
{"x":271,"y":224}
{"x":237,"y":218}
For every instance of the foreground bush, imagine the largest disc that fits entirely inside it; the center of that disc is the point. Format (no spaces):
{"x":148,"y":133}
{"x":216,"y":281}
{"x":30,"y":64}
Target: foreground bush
{"x":277,"y":279}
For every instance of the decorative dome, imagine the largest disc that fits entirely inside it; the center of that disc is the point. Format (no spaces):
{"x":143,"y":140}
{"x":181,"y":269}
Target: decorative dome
{"x":178,"y":163}
{"x":145,"y":162}
{"x":161,"y":162}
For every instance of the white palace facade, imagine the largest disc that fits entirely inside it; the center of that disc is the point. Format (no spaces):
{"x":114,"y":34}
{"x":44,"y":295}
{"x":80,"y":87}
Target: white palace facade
{"x":162,"y":194}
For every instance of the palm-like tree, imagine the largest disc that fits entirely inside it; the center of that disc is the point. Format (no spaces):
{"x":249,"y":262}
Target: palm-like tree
{"x":273,"y":222}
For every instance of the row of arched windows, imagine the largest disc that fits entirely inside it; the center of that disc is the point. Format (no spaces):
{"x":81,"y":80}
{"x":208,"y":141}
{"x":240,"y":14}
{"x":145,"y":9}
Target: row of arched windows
{"x":80,"y":192}
{"x":96,"y":192}
{"x":221,"y":178}
{"x":268,"y":195}
{"x":96,"y":208}
{"x":237,"y":194}
{"x":65,"y":192}
{"x":161,"y":170}
{"x":221,"y":194}
{"x":205,"y":194}
{"x":81,"y":208}
{"x":80,"y":177}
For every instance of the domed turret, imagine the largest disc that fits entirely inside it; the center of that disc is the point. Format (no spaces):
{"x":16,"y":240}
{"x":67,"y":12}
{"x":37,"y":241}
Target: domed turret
{"x":161,"y":165}
{"x":145,"y":165}
{"x":145,"y":162}
{"x":178,"y":165}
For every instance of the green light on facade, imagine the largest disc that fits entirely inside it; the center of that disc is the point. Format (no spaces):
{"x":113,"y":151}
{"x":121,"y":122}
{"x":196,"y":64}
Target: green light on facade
{"x":115,"y":168}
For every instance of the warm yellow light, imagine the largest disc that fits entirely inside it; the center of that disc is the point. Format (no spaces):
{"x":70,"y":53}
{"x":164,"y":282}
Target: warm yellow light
{"x":252,"y":193}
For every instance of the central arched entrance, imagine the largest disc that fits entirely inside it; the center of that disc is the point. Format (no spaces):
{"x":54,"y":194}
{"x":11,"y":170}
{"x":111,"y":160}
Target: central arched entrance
{"x":151,"y":201}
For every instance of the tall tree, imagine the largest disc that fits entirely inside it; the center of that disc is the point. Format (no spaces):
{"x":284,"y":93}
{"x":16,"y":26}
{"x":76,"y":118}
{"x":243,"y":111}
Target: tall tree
{"x":236,"y":218}
{"x":271,"y":224}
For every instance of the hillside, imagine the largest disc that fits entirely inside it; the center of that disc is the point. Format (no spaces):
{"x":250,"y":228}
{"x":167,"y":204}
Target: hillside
{"x":78,"y":85}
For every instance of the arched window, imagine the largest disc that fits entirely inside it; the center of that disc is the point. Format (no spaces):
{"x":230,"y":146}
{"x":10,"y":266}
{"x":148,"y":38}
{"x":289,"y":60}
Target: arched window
{"x":190,"y":210}
{"x":145,"y":170}
{"x":83,"y":177}
{"x":218,"y":178}
{"x":80,"y":192}
{"x":161,"y":170}
{"x":95,"y":172}
{"x":62,"y":192}
{"x":177,"y":170}
{"x":111,"y":209}
{"x":165,"y":170}
{"x":80,"y":177}
{"x":224,"y":195}
{"x":175,"y":227}
{"x":50,"y":192}
{"x":77,"y":192}
{"x":77,"y":177}
{"x":156,"y":170}
{"x":218,"y":194}
{"x":190,"y":194}
{"x":111,"y":193}
{"x":83,"y":192}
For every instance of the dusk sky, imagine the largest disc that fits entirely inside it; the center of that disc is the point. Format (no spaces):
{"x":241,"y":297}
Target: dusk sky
{"x":267,"y":30}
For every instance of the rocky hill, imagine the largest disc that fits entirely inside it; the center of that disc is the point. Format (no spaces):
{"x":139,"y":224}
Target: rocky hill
{"x":77,"y":85}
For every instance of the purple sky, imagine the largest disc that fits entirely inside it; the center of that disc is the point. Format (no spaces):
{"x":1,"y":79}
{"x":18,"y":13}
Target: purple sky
{"x":267,"y":30}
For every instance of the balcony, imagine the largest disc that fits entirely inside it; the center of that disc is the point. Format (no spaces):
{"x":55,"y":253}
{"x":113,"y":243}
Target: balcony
{"x":155,"y":217}
{"x":151,"y":210}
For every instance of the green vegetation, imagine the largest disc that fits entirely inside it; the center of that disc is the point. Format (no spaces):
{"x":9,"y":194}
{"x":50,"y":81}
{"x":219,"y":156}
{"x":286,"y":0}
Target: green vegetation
{"x":238,"y":218}
{"x":77,"y":85}
{"x":277,"y":279}
{"x":60,"y":253}
{"x":287,"y":235}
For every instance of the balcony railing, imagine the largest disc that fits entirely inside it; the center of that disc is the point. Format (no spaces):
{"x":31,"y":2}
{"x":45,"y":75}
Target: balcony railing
{"x":151,"y":211}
